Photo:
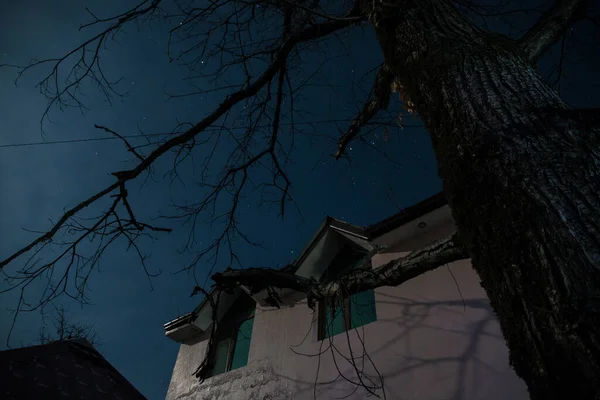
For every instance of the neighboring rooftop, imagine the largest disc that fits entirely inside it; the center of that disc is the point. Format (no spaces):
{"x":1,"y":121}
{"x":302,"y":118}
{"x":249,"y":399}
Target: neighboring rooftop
{"x":71,"y":369}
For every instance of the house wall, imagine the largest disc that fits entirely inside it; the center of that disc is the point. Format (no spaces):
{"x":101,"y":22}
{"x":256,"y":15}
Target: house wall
{"x":434,"y":338}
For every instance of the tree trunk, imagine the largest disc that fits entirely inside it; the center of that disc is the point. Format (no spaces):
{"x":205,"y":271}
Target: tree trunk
{"x":522,"y":175}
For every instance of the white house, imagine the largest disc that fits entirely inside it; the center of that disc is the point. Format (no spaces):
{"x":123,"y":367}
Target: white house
{"x":434,"y":337}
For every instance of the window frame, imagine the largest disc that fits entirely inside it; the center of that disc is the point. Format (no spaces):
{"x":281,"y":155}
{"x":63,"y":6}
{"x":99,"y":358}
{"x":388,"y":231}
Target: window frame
{"x":326,"y":305}
{"x":230,"y":334}
{"x":232,"y":342}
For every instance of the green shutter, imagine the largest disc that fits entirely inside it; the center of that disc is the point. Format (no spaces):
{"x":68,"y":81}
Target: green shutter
{"x":242,"y":344}
{"x":362,"y":308}
{"x":221,"y":354}
{"x":362,"y":305}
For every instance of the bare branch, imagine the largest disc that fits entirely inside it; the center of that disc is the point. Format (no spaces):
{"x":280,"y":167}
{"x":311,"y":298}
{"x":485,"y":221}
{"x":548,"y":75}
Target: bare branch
{"x":296,"y":4}
{"x":65,"y":329}
{"x":551,"y":26}
{"x":378,"y":100}
{"x":393,"y":273}
{"x":85,"y":67}
{"x":313,"y":32}
{"x":46,"y":237}
{"x":396,"y":272}
{"x":130,"y":148}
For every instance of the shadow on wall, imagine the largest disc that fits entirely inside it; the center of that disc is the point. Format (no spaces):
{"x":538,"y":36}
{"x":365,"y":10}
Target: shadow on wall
{"x":450,"y":350}
{"x":422,"y":349}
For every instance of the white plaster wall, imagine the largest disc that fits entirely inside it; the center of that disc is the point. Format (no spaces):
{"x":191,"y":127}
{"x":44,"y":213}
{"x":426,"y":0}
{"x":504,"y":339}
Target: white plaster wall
{"x":427,"y":342}
{"x":189,"y":358}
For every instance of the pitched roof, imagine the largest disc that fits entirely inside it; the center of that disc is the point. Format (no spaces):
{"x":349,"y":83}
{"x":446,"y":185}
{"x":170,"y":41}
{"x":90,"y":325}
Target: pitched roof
{"x":394,"y":221}
{"x":407,"y":215}
{"x":380,"y":228}
{"x":61,"y":369}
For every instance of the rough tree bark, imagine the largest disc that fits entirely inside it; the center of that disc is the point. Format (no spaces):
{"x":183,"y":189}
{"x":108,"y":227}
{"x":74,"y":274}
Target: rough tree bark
{"x":392,"y":273}
{"x":522,"y":175}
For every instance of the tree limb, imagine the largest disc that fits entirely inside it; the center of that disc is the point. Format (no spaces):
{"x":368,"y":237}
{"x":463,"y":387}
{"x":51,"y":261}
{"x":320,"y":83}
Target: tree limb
{"x":551,"y":26}
{"x":310,"y":33}
{"x":393,"y":273}
{"x":378,"y":100}
{"x":61,"y":222}
{"x":299,"y":5}
{"x":130,"y":148}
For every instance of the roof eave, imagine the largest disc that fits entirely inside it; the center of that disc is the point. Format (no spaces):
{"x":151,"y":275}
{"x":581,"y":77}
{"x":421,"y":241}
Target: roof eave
{"x":405,"y":216}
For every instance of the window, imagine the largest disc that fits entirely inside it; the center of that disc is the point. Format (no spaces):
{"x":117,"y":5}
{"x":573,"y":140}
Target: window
{"x":352,"y":311}
{"x":234,"y":332}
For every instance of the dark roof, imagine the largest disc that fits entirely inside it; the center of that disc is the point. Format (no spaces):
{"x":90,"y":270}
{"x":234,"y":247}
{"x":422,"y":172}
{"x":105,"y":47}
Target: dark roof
{"x":407,"y":215}
{"x":70,"y":369}
{"x":380,"y":228}
{"x":388,"y":224}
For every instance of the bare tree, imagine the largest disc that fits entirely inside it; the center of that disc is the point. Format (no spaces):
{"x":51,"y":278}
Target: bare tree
{"x":520,"y":167}
{"x":63,"y":329}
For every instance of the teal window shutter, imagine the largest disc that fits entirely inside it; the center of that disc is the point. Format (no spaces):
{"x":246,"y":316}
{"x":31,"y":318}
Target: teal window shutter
{"x":362,"y":308}
{"x":356,"y":310}
{"x":362,"y":305}
{"x":242,"y":344}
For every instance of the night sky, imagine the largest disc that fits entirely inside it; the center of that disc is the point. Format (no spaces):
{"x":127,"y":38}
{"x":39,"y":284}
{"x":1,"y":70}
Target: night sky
{"x":37,"y":182}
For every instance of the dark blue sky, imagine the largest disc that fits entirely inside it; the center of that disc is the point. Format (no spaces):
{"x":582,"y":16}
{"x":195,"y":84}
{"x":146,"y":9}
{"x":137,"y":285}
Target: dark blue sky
{"x":37,"y":182}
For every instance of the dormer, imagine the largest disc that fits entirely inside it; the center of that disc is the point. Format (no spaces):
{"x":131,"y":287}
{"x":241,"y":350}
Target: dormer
{"x":333,"y":237}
